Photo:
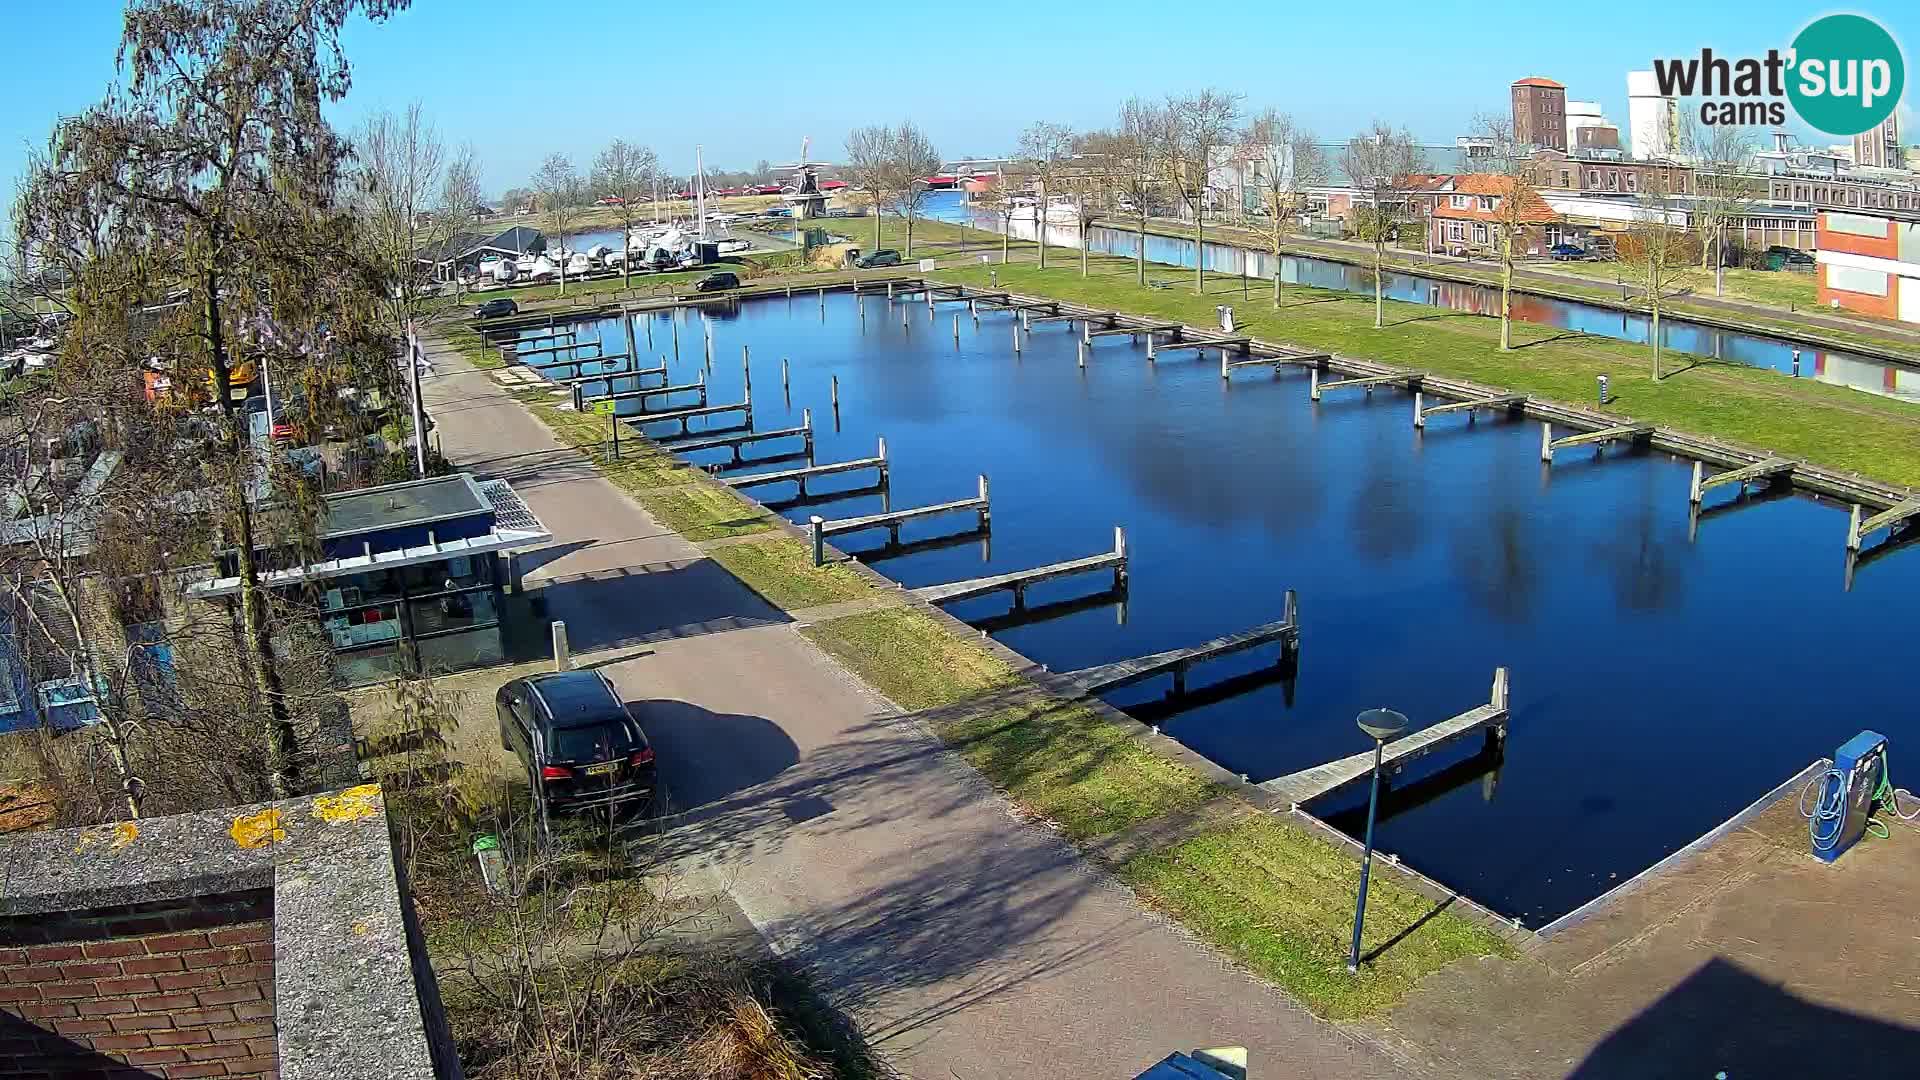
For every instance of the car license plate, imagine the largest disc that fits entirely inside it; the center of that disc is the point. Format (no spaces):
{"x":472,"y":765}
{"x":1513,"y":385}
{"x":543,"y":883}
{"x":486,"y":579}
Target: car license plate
{"x":602,"y":769}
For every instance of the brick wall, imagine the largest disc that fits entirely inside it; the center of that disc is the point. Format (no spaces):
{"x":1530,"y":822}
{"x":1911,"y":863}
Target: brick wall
{"x":170,"y":990}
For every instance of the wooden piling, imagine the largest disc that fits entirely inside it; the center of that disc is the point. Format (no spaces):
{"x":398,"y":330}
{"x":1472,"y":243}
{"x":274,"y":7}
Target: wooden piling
{"x":836,"y":393}
{"x":1853,"y":529}
{"x":1313,"y":384}
{"x":784,"y":385}
{"x":1082,"y":353}
{"x":1419,"y":414}
{"x":956,"y":329}
{"x":986,"y":509}
{"x":1693,"y":491}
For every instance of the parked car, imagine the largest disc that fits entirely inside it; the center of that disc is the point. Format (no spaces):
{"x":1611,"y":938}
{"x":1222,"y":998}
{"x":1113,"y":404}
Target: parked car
{"x":579,"y":744}
{"x":1567,"y":252}
{"x":1781,"y":257}
{"x":719,"y":279}
{"x":883,"y":257}
{"x":495,"y":308}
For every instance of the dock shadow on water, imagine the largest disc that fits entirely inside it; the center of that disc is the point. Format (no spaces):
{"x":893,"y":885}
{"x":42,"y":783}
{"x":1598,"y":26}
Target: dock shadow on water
{"x":1422,"y":559}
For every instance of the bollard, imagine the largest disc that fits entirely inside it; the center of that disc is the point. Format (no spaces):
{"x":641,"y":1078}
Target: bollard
{"x":1152,"y":339}
{"x":1016,"y":337}
{"x":562,"y":657}
{"x":819,"y":539}
{"x":1419,"y":419}
{"x":1082,"y":353}
{"x":986,"y":508}
{"x":1602,"y":380}
{"x":1546,"y":441}
{"x":889,"y":290}
{"x":1223,"y":363}
{"x":1313,"y":384}
{"x":1853,"y":529}
{"x":1693,"y":492}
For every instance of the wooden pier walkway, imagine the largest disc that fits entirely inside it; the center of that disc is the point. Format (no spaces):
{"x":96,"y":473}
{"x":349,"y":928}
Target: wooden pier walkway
{"x":513,"y":351}
{"x":1274,"y":360}
{"x":891,"y":520}
{"x":684,"y":416}
{"x":1148,"y":329}
{"x":1764,"y":471}
{"x":1409,"y":379}
{"x":744,"y":439}
{"x":1177,"y":662}
{"x":800,"y":476}
{"x":1071,"y":317}
{"x":1241,"y":345}
{"x":1019,"y":580}
{"x":1629,"y":432}
{"x":1421,"y":410}
{"x":1889,"y":519}
{"x":643,"y":393}
{"x":628,"y":373}
{"x":1308,"y":784}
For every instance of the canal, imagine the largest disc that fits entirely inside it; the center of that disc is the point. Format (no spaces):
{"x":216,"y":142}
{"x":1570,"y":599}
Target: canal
{"x":1828,"y":365}
{"x":1659,"y":685}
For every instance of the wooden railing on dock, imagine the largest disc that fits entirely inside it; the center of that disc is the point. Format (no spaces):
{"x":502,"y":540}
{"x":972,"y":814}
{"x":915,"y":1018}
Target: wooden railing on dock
{"x":1018,"y":580}
{"x":1308,"y":784}
{"x":800,"y":476}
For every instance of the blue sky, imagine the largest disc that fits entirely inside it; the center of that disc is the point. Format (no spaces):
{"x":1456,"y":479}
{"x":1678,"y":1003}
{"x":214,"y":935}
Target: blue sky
{"x":522,"y":80}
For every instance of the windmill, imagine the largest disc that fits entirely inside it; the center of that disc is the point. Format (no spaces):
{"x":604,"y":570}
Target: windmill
{"x":805,"y":198}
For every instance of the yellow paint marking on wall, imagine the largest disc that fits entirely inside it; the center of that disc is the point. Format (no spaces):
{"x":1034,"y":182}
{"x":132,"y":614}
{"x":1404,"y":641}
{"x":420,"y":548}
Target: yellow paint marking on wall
{"x":257,"y":830}
{"x":350,"y":805}
{"x":115,"y":836}
{"x":125,"y":833}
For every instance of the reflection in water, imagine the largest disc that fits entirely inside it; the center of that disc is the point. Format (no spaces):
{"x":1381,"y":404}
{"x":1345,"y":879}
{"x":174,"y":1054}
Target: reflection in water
{"x":1844,"y":369}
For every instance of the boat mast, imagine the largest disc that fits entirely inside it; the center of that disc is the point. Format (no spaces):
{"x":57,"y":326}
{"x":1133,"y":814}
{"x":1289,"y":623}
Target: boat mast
{"x":700,"y":193}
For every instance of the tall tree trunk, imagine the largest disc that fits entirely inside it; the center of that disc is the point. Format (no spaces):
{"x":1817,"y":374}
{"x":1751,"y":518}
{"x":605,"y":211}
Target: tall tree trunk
{"x":1006,"y":238}
{"x":876,"y":219}
{"x":1276,"y":257}
{"x":1040,"y":225}
{"x":1140,"y":249}
{"x":1083,"y":247}
{"x":626,"y":263}
{"x":1200,"y":246}
{"x":1654,"y":337}
{"x":1379,"y":292}
{"x":908,"y":254}
{"x":283,"y":744}
{"x":1506,"y":289}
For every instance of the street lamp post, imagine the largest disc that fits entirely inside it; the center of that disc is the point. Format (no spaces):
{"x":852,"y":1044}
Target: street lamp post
{"x":1381,"y":725}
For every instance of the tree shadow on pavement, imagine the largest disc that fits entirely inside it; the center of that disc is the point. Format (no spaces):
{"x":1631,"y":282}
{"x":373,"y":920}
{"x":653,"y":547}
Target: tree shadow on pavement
{"x":630,"y":605}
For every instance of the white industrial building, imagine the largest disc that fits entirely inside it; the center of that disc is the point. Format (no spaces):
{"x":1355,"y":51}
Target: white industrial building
{"x":1653,"y":121}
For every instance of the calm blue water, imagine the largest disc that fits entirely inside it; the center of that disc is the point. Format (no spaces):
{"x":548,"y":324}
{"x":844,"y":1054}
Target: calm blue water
{"x":1840,"y":368}
{"x":1658,"y":685}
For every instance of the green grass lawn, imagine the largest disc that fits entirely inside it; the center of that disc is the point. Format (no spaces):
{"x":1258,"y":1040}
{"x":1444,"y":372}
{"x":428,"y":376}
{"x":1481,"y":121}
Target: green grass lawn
{"x":1831,"y":425}
{"x":1783,"y":288}
{"x":1281,"y":901}
{"x":781,"y":570}
{"x":910,"y":658}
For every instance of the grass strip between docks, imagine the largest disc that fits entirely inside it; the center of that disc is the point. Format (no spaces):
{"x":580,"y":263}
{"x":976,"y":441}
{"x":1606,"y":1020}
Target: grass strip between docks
{"x":781,"y":570}
{"x":1281,"y":901}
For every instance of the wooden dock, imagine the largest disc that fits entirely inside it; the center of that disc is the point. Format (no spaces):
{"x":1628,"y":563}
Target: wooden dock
{"x":744,"y":439}
{"x":580,"y":396}
{"x":1069,"y":317}
{"x":629,"y":373}
{"x":1889,"y":519}
{"x":1309,"y":784}
{"x":1421,"y":410}
{"x":1765,"y":471}
{"x":891,"y":520}
{"x":1177,"y":662}
{"x":1272,"y":360}
{"x":543,"y":350}
{"x":1149,"y":330}
{"x":1409,"y":379}
{"x":800,"y":476}
{"x":684,"y":417}
{"x":1617,"y":433}
{"x":1241,"y":345}
{"x":1019,"y":580}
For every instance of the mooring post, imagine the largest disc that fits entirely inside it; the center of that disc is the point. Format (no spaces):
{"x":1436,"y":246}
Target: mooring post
{"x":836,"y":392}
{"x":1546,"y":441}
{"x":1419,"y":412}
{"x":1120,"y":549}
{"x":819,"y":539}
{"x":889,"y":291}
{"x":1693,"y":492}
{"x":956,"y":329}
{"x":1025,"y":323}
{"x":1313,"y":384}
{"x":1016,"y":337}
{"x":626,"y":323}
{"x":1853,"y":529}
{"x":1151,"y":339}
{"x":881,"y":453}
{"x":823,"y":301}
{"x":675,"y":323}
{"x":1223,"y":363}
{"x":1081,"y":352}
{"x":986,"y":508}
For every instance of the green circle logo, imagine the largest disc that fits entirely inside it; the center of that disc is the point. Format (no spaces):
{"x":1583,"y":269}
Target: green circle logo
{"x":1847,"y":74}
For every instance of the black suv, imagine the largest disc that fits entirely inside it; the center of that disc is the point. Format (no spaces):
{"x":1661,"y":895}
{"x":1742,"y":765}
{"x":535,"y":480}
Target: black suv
{"x":883,"y":257}
{"x":580,"y":746}
{"x":495,"y":308}
{"x":719,"y":279}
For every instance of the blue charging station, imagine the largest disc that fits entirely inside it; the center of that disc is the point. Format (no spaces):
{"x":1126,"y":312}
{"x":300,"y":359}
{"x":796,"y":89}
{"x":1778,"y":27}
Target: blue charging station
{"x":1846,"y":795}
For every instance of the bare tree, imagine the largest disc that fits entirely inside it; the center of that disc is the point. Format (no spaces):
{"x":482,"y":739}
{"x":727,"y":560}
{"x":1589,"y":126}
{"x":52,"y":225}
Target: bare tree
{"x":914,"y":160}
{"x":1046,"y":149}
{"x":460,"y":197}
{"x":1134,"y":159}
{"x":1198,"y":128}
{"x":626,"y":171}
{"x":1380,"y":163}
{"x":870,"y":159}
{"x":214,"y":165}
{"x":561,"y":198}
{"x":1658,"y":255}
{"x":1003,"y":199}
{"x":1505,"y":176}
{"x":1286,"y":161}
{"x":1725,"y":189}
{"x":396,"y":174}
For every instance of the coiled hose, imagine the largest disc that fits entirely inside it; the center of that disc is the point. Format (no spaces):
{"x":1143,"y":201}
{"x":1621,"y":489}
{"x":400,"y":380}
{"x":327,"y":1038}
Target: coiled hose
{"x":1829,"y":810}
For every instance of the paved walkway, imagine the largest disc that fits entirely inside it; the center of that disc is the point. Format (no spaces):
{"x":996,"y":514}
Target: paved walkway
{"x":969,"y":944}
